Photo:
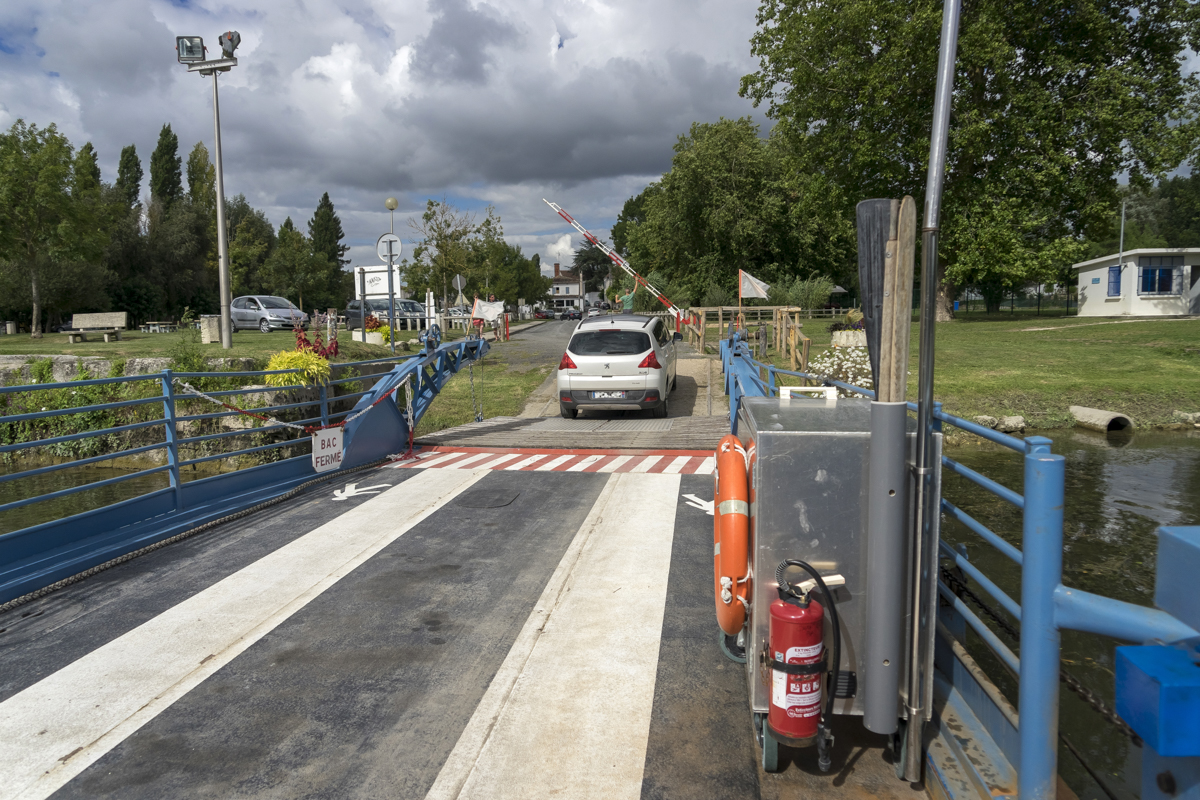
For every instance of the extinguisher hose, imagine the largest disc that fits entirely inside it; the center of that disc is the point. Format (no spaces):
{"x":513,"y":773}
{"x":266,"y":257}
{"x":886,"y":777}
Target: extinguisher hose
{"x":836,"y":662}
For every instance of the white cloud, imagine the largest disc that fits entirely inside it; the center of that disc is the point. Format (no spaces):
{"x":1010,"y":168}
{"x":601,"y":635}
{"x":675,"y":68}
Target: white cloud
{"x":498,"y":102}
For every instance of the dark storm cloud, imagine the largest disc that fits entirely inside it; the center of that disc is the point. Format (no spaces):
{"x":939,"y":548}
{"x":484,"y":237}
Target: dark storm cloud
{"x":456,"y":48}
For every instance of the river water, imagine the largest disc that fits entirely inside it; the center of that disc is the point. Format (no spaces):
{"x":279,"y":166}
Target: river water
{"x":1117,"y":494}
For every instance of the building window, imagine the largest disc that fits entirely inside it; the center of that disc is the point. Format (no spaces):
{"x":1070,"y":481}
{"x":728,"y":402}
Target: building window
{"x":1114,"y":281}
{"x":1159,"y":275}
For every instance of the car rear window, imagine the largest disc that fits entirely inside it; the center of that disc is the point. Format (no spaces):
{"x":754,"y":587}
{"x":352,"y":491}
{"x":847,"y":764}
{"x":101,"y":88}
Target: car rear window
{"x":609,"y":343}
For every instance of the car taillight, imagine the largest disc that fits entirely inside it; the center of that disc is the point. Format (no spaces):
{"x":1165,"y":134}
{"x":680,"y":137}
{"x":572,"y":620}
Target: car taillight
{"x":567,"y":363}
{"x":649,"y":361}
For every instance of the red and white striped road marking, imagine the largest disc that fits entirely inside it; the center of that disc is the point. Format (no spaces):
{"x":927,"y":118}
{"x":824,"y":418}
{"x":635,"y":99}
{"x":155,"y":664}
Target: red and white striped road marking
{"x":670,"y":462}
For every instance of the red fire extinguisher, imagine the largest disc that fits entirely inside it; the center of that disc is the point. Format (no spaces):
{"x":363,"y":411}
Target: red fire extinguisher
{"x":797,"y":668}
{"x":795,"y":655}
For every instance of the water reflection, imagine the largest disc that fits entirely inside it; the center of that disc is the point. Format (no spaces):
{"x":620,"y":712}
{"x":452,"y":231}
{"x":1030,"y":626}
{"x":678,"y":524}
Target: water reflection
{"x":1116,"y":496}
{"x":46,"y":511}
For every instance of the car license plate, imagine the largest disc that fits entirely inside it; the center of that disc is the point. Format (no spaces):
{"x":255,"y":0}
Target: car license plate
{"x":608,"y":395}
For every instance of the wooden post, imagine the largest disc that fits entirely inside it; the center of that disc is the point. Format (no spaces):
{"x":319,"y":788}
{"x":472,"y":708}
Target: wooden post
{"x":792,"y":345}
{"x":804,"y":352}
{"x":703,"y":328}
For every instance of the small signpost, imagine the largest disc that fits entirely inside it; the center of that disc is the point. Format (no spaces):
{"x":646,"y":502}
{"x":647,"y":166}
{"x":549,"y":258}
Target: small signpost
{"x":388,"y":249}
{"x":327,"y":449}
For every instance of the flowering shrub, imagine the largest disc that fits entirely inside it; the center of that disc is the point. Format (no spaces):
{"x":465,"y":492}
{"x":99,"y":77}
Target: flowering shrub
{"x":848,"y":326}
{"x":314,"y":368}
{"x":846,"y":364}
{"x":319,"y":347}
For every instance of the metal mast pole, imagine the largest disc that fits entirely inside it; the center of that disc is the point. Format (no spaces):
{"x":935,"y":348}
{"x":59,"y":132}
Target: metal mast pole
{"x":926,"y":498}
{"x":222,"y":242}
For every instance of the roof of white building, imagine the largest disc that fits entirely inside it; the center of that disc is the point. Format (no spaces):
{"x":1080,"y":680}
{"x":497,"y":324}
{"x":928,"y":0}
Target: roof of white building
{"x":1141,"y":251}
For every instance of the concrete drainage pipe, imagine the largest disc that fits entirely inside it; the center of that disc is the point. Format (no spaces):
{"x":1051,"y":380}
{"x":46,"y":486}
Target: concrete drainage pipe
{"x":1099,"y":420}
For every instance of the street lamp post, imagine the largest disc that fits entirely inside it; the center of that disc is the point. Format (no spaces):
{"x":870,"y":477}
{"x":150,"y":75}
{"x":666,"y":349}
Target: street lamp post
{"x":190,"y":51}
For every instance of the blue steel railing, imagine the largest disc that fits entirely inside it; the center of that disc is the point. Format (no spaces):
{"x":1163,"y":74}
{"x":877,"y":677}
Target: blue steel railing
{"x":1046,"y":606}
{"x":34,"y":556}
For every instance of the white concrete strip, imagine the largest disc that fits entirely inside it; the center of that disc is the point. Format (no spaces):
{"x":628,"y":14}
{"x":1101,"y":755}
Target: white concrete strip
{"x":523,"y":463}
{"x":549,"y":465}
{"x":707,"y":466}
{"x":438,"y":461}
{"x":676,"y":466}
{"x":646,"y":464}
{"x":469,"y":460}
{"x":568,"y":713}
{"x":495,"y":462}
{"x":615,"y":464}
{"x":583,"y":463}
{"x":58,"y":727}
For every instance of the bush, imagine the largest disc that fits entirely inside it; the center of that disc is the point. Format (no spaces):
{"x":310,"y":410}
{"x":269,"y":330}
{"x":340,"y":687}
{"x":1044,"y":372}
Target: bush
{"x":846,"y":364}
{"x":314,"y":368}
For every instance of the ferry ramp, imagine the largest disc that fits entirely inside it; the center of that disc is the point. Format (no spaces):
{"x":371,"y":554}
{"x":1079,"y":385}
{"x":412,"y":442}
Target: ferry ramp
{"x":486,"y":621}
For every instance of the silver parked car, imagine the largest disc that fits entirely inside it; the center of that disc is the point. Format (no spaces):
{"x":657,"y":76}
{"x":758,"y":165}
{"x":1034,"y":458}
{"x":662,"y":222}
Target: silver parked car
{"x":266,"y":312}
{"x":619,"y":362}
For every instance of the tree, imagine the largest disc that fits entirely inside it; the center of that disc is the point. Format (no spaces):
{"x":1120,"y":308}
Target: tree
{"x":593,"y":264}
{"x":45,"y":232}
{"x":166,"y":180}
{"x":1179,"y":220}
{"x":129,"y":176}
{"x":733,"y":200}
{"x":295,"y":266}
{"x":202,"y":194}
{"x":442,"y":250}
{"x":86,"y":177}
{"x":1052,"y":101}
{"x":251,"y":245}
{"x":632,"y":213}
{"x":325,"y":230}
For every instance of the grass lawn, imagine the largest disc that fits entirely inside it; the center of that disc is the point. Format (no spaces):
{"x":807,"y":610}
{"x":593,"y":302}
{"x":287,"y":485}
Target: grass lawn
{"x":502,"y":387}
{"x":1039,"y":366}
{"x":246,"y":344}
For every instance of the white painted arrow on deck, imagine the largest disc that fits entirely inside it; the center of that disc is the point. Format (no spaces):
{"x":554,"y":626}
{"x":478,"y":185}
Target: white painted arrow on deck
{"x":352,"y":490}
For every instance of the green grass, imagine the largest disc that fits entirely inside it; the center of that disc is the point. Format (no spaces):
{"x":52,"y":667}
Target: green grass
{"x":1000,"y":365}
{"x":503,"y":389}
{"x":246,"y":344}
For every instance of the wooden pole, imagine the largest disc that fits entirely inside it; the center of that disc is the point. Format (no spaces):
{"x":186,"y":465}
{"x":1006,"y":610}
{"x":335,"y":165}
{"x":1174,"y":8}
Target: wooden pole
{"x":792,"y":345}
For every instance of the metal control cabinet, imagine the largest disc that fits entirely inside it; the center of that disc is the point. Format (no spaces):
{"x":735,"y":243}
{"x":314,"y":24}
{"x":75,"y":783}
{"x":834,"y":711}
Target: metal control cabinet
{"x":809,"y":467}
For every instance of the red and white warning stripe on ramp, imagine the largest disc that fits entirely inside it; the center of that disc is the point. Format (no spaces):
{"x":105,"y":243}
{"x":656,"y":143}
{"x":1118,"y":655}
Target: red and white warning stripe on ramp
{"x":669,"y":462}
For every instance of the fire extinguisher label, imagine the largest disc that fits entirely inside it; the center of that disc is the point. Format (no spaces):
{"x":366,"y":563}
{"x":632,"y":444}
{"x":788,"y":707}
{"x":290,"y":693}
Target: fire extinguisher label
{"x":812,"y":651}
{"x":806,"y":693}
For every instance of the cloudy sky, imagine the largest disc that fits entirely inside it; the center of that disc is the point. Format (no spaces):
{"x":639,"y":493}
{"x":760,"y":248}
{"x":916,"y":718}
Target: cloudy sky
{"x":501,"y":102}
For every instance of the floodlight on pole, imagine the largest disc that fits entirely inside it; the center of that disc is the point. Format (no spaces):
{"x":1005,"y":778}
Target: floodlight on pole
{"x":190,"y":50}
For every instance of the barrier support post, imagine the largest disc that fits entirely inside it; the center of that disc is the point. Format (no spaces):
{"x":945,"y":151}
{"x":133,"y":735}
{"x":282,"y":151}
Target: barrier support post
{"x":168,"y":390}
{"x":1041,"y":574}
{"x":324,"y":405}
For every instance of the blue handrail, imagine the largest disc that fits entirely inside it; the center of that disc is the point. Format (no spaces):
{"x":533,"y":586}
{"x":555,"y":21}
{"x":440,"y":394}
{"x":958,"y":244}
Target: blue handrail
{"x":35,"y":556}
{"x":1046,"y":606}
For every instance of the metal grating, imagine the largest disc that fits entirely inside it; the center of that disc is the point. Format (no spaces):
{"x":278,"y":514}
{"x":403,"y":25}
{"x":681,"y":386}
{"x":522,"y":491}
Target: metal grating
{"x":560,"y":424}
{"x":637,"y":425}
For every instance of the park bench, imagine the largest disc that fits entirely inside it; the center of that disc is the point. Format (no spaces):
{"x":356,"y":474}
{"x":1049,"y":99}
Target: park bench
{"x":109,"y":324}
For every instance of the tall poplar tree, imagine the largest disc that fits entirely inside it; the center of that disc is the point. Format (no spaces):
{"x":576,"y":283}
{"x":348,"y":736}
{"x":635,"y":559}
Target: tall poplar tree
{"x":1052,"y":101}
{"x":86,"y":177}
{"x":129,"y":176}
{"x":166,"y":180}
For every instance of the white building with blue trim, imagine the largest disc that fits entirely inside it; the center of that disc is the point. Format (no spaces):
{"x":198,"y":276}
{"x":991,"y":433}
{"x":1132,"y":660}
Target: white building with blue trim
{"x":1149,"y":282}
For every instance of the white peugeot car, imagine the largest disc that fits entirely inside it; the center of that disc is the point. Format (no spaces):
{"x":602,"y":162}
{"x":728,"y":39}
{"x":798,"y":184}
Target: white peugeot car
{"x":619,"y":362}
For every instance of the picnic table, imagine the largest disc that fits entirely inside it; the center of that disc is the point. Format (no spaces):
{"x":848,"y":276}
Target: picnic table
{"x":162,"y":326}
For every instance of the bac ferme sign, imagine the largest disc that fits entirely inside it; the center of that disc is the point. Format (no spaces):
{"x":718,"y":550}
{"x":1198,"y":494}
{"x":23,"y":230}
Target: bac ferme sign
{"x":327,"y":449}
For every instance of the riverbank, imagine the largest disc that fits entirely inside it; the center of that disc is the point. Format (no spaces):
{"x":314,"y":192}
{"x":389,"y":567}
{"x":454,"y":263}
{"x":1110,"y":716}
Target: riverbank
{"x":1037,"y":367}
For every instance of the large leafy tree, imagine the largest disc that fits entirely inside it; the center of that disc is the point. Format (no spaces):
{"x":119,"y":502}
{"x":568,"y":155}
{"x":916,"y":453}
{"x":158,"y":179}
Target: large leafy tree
{"x":1052,"y":101}
{"x":733,"y":200}
{"x":1179,"y":211}
{"x":86,"y":176}
{"x":252,"y":243}
{"x":166,"y":179}
{"x":202,"y":194}
{"x":48,"y":237}
{"x":442,"y":249}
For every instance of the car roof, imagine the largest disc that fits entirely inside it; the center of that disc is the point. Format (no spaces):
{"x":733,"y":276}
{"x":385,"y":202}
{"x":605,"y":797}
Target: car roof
{"x":623,"y":321}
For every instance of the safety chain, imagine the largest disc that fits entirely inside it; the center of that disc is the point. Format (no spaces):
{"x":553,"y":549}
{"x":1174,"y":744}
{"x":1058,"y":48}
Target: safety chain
{"x":1085,"y":694}
{"x":476,"y":410}
{"x":189,"y":389}
{"x":65,"y":582}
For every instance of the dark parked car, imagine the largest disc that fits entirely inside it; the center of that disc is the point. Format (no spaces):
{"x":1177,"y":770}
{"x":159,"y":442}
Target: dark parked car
{"x":410,"y":314}
{"x":543,"y":313}
{"x":265,"y":312}
{"x":572,"y":313}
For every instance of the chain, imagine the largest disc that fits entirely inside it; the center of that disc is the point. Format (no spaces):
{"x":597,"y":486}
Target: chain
{"x":1084,"y":693}
{"x":476,"y":410}
{"x":189,"y":389}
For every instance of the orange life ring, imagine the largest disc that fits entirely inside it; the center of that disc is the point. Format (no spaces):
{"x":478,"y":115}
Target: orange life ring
{"x":731,"y":535}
